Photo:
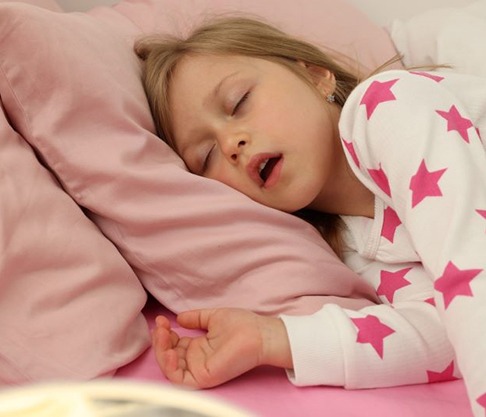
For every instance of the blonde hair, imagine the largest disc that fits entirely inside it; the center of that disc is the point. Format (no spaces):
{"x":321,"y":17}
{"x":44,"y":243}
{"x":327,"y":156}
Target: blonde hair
{"x":238,"y":36}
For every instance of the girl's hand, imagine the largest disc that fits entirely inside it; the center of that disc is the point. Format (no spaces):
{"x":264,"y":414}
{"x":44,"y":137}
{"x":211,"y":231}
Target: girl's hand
{"x":236,"y":341}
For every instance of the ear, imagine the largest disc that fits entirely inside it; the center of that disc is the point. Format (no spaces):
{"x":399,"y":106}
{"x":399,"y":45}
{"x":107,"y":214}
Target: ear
{"x":322,"y":78}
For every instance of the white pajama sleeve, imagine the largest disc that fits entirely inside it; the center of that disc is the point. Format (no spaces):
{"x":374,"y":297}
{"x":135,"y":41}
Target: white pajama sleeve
{"x":377,"y":346}
{"x":415,"y":139}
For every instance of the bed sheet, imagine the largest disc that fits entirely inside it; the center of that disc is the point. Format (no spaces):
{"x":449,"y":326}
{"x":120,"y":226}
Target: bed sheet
{"x":266,"y":392}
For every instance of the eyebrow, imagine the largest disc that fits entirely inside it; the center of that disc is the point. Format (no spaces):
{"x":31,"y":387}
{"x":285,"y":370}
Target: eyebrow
{"x":215,"y":92}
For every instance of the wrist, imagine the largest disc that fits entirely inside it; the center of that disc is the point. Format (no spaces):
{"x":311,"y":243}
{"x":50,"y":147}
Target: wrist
{"x":275,"y":343}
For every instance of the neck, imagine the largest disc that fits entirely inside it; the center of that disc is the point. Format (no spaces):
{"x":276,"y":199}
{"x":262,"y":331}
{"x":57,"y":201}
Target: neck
{"x":346,"y":195}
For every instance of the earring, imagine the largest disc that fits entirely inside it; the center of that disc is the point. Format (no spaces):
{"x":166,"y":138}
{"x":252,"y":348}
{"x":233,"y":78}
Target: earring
{"x":330,"y":98}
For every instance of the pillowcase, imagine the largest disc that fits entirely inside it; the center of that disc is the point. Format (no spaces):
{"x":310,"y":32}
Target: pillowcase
{"x":71,"y":86}
{"x":70,"y":306}
{"x":452,"y":36}
{"x":335,"y":25}
{"x":45,"y":4}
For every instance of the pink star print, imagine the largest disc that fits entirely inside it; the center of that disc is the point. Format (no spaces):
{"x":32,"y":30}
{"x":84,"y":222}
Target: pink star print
{"x":381,"y":180}
{"x":390,"y":224}
{"x":482,"y":213}
{"x":376,"y":94}
{"x":446,"y":375}
{"x":352,"y":152}
{"x":456,"y":122}
{"x":391,"y":282}
{"x":454,"y":282}
{"x":425,"y":184}
{"x":372,"y":331}
{"x":436,"y":78}
{"x":482,"y":400}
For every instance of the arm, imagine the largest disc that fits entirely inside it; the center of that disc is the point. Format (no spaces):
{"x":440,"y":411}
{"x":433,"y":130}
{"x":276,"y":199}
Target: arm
{"x":424,"y":143}
{"x":322,"y":349}
{"x":235,"y":341}
{"x":401,"y":341}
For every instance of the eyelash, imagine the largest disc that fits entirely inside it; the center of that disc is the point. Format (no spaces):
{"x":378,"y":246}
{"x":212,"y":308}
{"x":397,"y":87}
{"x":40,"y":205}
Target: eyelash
{"x":240,"y":102}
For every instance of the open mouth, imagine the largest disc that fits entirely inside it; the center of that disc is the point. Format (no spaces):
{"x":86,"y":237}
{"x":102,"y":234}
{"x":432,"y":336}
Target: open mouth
{"x":266,"y":167}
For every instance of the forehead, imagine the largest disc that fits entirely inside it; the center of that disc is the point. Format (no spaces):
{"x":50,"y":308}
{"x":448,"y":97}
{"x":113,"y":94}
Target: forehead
{"x":193,"y":62}
{"x":196,"y":73}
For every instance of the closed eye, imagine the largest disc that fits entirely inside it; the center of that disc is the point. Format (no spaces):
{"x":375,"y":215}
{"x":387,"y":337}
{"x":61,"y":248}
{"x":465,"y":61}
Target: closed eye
{"x":241,"y":101}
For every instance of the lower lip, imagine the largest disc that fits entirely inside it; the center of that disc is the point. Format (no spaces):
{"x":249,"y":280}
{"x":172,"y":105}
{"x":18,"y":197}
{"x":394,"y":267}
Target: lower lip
{"x":274,"y":175}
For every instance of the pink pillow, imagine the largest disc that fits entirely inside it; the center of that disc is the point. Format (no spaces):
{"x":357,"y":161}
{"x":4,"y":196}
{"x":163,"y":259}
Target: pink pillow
{"x":334,"y":25}
{"x":45,"y":4}
{"x":70,"y":306}
{"x":71,"y":86}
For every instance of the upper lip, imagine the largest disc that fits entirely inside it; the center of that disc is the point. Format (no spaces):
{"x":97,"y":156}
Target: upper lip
{"x":257,"y":162}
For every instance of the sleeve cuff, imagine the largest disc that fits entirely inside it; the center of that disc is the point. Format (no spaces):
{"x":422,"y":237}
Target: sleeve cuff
{"x":316,"y":349}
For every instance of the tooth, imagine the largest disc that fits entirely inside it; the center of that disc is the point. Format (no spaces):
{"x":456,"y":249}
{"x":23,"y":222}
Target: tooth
{"x":262,"y":166}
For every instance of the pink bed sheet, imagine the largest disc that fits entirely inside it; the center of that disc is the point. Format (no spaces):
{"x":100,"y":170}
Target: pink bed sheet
{"x":266,"y":392}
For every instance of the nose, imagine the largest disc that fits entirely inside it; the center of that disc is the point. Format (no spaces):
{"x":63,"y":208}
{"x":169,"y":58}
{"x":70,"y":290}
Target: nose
{"x":233,"y":145}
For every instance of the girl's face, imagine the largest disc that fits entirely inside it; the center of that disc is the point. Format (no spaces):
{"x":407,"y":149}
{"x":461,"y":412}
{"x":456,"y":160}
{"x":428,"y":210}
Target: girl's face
{"x":257,"y":127}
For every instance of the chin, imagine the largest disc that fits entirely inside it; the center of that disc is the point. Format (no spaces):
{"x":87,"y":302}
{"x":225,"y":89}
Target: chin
{"x":291,"y":207}
{"x":300,"y":201}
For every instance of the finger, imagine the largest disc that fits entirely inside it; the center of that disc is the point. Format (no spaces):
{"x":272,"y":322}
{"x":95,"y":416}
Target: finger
{"x":174,"y":338}
{"x":164,"y":358}
{"x":163,"y":339}
{"x":168,"y":354}
{"x":181,"y":353}
{"x":162,"y":321}
{"x":175,"y":368}
{"x":195,"y":319}
{"x":184,"y":342}
{"x":169,"y":365}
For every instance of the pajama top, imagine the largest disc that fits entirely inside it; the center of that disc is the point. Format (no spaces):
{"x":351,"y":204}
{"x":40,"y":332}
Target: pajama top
{"x":413,"y":139}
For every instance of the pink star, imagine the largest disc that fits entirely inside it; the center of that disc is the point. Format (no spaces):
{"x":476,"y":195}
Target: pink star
{"x":352,"y":152}
{"x":391,"y":282}
{"x":454,"y":282}
{"x":431,"y":301}
{"x":456,"y":122}
{"x":376,"y":94}
{"x":446,"y":375}
{"x":425,"y":184}
{"x":381,"y":180}
{"x":390,"y":224}
{"x":482,"y":213}
{"x":481,"y":400}
{"x":372,"y":331}
{"x":428,"y":75}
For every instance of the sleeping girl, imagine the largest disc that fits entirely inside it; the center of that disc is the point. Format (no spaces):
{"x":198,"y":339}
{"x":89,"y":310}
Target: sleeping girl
{"x":390,"y":169}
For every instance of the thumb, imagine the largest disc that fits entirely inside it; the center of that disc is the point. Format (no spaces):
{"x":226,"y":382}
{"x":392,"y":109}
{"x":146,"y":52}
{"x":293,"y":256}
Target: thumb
{"x":195,"y":319}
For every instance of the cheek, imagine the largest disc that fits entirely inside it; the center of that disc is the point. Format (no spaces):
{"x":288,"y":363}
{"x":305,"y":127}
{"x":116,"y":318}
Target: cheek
{"x":276,"y":120}
{"x":222,"y":173}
